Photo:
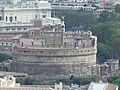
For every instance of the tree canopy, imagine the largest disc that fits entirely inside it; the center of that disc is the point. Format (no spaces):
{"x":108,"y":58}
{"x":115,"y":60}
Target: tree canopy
{"x":104,"y":52}
{"x":114,"y":80}
{"x":109,"y":33}
{"x":76,"y":20}
{"x":4,"y":57}
{"x":117,"y":8}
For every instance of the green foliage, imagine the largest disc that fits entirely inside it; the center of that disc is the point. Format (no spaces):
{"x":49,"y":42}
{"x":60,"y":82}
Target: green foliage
{"x":78,"y":81}
{"x":4,"y":57}
{"x":114,"y":80}
{"x":20,"y":80}
{"x":103,"y":17}
{"x":64,"y":81}
{"x":108,"y":33}
{"x":105,"y":30}
{"x":85,"y":81}
{"x":117,"y":8}
{"x":111,"y":79}
{"x":28,"y":81}
{"x":75,"y":19}
{"x":107,"y":16}
{"x":104,"y":52}
{"x":117,"y":82}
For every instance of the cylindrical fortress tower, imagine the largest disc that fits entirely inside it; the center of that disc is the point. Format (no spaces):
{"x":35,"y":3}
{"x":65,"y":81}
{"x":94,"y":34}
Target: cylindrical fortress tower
{"x":49,"y":52}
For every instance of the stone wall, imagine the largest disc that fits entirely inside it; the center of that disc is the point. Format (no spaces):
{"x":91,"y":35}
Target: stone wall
{"x":50,"y":65}
{"x":51,"y":70}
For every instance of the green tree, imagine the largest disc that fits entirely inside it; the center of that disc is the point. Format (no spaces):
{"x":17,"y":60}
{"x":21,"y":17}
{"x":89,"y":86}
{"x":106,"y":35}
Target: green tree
{"x":108,"y":33}
{"x":115,"y":42}
{"x":77,"y":20}
{"x":105,"y":30}
{"x":104,"y":52}
{"x":107,"y":16}
{"x":117,"y":8}
{"x":103,"y":17}
{"x":4,"y":57}
{"x":114,"y":80}
{"x":117,"y":82}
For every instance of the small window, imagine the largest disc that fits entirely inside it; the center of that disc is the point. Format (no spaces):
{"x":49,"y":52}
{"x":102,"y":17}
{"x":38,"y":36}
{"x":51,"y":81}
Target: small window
{"x":65,"y":45}
{"x":32,"y":33}
{"x":35,"y":16}
{"x":22,"y":43}
{"x":6,"y":19}
{"x":44,"y":16}
{"x":41,"y":51}
{"x":42,"y":43}
{"x":11,"y":19}
{"x":32,"y":43}
{"x":15,"y":18}
{"x":0,"y":18}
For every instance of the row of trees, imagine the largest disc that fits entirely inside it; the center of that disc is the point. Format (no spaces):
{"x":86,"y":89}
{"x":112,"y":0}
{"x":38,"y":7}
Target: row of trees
{"x":106,"y":28}
{"x":77,"y":20}
{"x":31,"y":81}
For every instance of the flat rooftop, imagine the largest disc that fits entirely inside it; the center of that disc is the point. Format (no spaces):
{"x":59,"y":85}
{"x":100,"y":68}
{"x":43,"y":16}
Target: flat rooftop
{"x":15,"y":74}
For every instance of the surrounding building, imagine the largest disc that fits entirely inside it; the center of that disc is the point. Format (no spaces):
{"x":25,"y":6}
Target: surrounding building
{"x":20,"y":16}
{"x":74,"y":87}
{"x":6,"y":43}
{"x":102,"y":86}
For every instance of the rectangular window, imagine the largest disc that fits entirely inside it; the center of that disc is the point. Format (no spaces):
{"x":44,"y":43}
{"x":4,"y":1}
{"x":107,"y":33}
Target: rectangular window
{"x":15,"y":18}
{"x":44,"y":16}
{"x":10,"y":19}
{"x":0,"y":18}
{"x":6,"y":19}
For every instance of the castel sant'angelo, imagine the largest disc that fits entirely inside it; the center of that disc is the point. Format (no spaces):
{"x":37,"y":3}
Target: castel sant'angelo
{"x":40,"y":45}
{"x":52,"y":52}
